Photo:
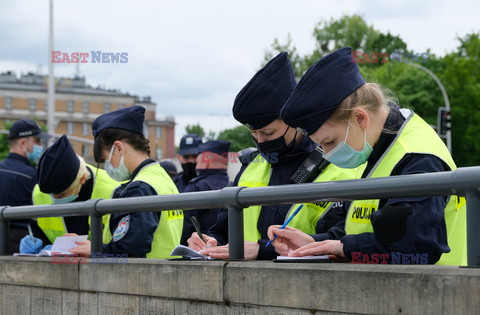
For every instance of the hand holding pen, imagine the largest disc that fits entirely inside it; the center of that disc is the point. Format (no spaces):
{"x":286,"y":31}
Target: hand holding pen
{"x":199,"y":241}
{"x":286,"y":223}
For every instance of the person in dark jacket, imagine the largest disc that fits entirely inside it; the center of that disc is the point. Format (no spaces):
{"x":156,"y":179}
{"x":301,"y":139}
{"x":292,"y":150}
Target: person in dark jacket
{"x":356,"y":124}
{"x":282,"y":151}
{"x":212,"y":164}
{"x":17,"y":174}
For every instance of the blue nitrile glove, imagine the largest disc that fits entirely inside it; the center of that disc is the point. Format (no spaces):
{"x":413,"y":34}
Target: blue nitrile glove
{"x":29,"y":246}
{"x":47,"y":247}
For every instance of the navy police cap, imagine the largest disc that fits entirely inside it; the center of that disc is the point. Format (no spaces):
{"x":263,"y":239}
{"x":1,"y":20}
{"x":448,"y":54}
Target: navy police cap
{"x":26,"y":128}
{"x":169,"y":167}
{"x":129,"y":118}
{"x":259,"y":102}
{"x":321,"y":90}
{"x":215,"y":146}
{"x":189,"y":144}
{"x":58,"y":167}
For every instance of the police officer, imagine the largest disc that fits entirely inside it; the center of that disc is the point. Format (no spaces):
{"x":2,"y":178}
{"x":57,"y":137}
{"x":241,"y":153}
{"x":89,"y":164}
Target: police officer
{"x":120,"y":143}
{"x":282,"y":151}
{"x":212,"y":165}
{"x":64,"y":177}
{"x":355,"y":123}
{"x":17,"y":175}
{"x":187,"y":156}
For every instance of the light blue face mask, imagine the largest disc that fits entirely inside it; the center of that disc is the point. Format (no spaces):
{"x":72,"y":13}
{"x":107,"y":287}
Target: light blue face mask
{"x":120,"y":173}
{"x":35,"y":154}
{"x":64,"y":199}
{"x":345,"y":156}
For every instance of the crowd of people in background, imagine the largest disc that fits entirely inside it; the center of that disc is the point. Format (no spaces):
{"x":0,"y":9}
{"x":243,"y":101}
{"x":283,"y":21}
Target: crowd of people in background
{"x":355,"y":128}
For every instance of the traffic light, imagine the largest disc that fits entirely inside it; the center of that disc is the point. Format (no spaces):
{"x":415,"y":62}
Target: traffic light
{"x":444,"y":121}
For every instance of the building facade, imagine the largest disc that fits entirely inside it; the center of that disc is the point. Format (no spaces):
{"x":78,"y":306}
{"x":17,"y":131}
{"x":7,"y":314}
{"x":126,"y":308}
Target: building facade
{"x":76,"y":107}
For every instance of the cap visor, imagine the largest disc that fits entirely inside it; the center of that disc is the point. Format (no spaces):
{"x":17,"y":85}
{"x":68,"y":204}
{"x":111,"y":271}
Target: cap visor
{"x":43,"y":135}
{"x":186,"y":151}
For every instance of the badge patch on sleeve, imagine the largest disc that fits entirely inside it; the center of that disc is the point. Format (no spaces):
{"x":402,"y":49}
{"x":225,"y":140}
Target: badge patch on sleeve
{"x":122,"y":229}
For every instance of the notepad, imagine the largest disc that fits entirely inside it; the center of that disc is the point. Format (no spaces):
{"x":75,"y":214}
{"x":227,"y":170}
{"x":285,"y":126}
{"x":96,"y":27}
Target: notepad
{"x":60,"y":246}
{"x":188,"y":253}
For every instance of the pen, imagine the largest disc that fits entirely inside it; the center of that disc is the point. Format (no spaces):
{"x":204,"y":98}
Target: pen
{"x":196,"y":224}
{"x":31,"y":233}
{"x":286,"y":223}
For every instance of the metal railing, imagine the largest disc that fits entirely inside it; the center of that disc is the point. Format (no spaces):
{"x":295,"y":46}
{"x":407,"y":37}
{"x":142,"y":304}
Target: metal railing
{"x":463,"y":182}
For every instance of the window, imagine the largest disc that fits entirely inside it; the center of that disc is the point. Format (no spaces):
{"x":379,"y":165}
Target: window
{"x":70,"y":107}
{"x":85,"y":129}
{"x":159,"y":153}
{"x":70,"y":128}
{"x":32,"y":105}
{"x":85,"y":107}
{"x":8,"y":103}
{"x":85,"y":150}
{"x":106,"y":108}
{"x":158,"y":132}
{"x":120,"y":106}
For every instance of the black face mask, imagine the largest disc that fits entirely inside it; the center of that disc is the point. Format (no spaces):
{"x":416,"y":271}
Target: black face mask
{"x":276,"y":149}
{"x":189,"y":170}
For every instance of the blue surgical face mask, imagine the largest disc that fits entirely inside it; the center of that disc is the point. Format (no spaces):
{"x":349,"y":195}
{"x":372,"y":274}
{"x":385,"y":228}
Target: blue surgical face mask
{"x":345,"y":156}
{"x":120,"y":173}
{"x":63,"y":200}
{"x":35,"y":154}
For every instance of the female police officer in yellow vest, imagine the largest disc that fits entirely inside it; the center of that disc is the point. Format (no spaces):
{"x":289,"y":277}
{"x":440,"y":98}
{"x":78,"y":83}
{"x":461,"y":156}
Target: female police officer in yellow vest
{"x":282,"y":151}
{"x":119,"y":142}
{"x":64,"y":177}
{"x":354,"y":124}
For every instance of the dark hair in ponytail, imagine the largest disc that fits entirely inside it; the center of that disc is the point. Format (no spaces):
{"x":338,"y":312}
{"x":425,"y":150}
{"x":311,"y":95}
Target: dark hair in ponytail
{"x":105,"y":139}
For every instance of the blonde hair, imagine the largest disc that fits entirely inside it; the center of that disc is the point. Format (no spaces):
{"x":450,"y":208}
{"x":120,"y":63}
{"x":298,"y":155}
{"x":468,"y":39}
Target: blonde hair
{"x":82,"y":171}
{"x":371,"y":96}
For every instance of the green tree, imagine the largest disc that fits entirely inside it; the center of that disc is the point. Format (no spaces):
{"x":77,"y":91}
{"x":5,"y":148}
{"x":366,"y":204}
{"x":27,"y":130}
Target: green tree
{"x":196,"y":129}
{"x":4,"y":148}
{"x":462,"y":82}
{"x":298,"y":63}
{"x":240,"y":137}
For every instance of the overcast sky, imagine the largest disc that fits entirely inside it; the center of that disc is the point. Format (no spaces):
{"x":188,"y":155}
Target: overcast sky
{"x":194,"y":56}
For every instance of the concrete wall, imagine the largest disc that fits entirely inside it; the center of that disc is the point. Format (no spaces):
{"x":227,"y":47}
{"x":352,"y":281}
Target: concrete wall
{"x":36,"y":286}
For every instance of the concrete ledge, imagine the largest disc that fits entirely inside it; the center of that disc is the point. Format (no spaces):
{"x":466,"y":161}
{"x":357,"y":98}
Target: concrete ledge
{"x":38,"y":272}
{"x":355,"y":288}
{"x":192,"y":280}
{"x":142,"y":286}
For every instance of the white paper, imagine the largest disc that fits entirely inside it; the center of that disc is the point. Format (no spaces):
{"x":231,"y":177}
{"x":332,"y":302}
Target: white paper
{"x":187,"y":252}
{"x":62,"y":244}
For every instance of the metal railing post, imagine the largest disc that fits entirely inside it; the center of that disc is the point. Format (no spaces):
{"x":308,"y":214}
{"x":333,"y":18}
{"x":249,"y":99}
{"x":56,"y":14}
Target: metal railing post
{"x":3,"y":233}
{"x":229,"y":198}
{"x":235,"y":233}
{"x":473,"y":227}
{"x":96,"y":230}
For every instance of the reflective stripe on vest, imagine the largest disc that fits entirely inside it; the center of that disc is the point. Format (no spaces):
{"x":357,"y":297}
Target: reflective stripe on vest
{"x":103,"y":188}
{"x":307,"y":218}
{"x":256,"y":174}
{"x":169,"y":230}
{"x":415,"y":136}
